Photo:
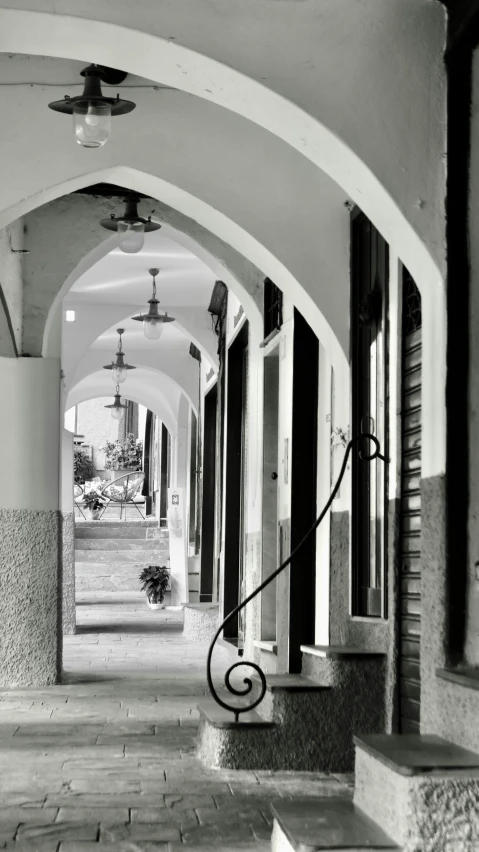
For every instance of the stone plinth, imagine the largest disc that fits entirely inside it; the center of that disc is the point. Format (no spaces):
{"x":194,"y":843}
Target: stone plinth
{"x":201,"y":621}
{"x":422,"y":790}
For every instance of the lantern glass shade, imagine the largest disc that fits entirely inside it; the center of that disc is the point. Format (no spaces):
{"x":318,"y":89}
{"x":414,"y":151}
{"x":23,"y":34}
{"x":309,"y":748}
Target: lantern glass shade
{"x":153,"y":329}
{"x":119,"y":374}
{"x":131,"y":236}
{"x":116,"y":412}
{"x":91,"y":124}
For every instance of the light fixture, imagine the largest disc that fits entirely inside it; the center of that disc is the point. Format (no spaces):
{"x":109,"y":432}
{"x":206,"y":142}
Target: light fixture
{"x":153,"y":321}
{"x":130,"y":227}
{"x":118,"y":407}
{"x":119,"y":370}
{"x":70,"y":316}
{"x":92,"y":111}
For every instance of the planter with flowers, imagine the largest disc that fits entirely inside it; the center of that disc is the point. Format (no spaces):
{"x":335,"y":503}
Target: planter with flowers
{"x":123,"y":457}
{"x":94,"y":503}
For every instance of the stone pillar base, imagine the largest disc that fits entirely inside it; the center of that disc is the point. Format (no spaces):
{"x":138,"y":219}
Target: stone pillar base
{"x":201,"y":621}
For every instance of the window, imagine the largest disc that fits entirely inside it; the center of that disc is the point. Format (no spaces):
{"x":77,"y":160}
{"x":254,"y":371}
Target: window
{"x":369,"y":311}
{"x":273,"y":308}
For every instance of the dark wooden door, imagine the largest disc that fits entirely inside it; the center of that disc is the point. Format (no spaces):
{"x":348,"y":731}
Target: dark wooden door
{"x":410,"y":536}
{"x":369,"y":312}
{"x":209,"y":488}
{"x":303,"y":489}
{"x":235,"y":481}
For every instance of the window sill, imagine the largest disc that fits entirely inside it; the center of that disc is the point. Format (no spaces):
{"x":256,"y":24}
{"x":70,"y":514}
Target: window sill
{"x":266,"y":645}
{"x":468,"y":678}
{"x":270,"y":337}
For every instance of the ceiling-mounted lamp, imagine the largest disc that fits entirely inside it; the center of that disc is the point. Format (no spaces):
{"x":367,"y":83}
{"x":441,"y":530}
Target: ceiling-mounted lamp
{"x":130,"y":227}
{"x":92,"y":111}
{"x":118,"y":407}
{"x":153,"y":321}
{"x":119,"y":370}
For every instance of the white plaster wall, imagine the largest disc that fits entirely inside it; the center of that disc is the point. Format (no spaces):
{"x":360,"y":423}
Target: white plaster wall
{"x":30,"y":438}
{"x":11,"y":282}
{"x":472,"y":615}
{"x":66,"y":490}
{"x":291,"y":74}
{"x":97,"y":425}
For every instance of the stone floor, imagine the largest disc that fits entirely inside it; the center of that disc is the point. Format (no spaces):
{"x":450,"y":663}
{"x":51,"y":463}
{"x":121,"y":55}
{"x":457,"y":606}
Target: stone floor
{"x":106,"y":760}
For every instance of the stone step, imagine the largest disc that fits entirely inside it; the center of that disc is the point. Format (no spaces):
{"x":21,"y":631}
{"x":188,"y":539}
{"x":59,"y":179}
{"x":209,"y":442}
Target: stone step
{"x":158,"y":556}
{"x":114,"y":528}
{"x":419,"y":789}
{"x":314,"y":722}
{"x":307,"y":825}
{"x":335,"y":665}
{"x":111,"y":544}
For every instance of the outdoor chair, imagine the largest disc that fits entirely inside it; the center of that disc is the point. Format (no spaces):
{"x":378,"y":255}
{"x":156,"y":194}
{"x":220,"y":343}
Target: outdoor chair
{"x":125,"y":491}
{"x":78,"y":493}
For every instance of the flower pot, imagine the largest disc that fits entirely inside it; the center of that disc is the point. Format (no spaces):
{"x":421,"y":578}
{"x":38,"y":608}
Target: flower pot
{"x":94,"y":514}
{"x":154,"y":605}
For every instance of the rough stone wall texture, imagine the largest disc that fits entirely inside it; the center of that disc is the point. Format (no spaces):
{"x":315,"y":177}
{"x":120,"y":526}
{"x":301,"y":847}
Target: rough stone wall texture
{"x":422,"y":813}
{"x":68,"y":573}
{"x":30,"y":591}
{"x":200,"y":622}
{"x":448,"y":709}
{"x":371,"y":634}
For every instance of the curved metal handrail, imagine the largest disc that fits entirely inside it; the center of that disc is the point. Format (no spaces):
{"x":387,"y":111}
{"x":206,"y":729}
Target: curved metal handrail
{"x":236,"y":710}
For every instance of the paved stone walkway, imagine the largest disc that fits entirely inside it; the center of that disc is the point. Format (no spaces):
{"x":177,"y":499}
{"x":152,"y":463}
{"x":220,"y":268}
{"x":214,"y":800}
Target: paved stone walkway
{"x":106,"y":761}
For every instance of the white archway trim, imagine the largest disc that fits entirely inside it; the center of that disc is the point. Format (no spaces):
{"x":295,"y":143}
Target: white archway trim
{"x":96,"y":385}
{"x":171,"y":64}
{"x":214,"y":221}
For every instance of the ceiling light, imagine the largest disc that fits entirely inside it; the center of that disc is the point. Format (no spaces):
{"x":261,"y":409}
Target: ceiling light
{"x":69,"y":316}
{"x":118,"y":407}
{"x":130,"y":227}
{"x":92,"y":111}
{"x":119,"y":370}
{"x":153,"y":321}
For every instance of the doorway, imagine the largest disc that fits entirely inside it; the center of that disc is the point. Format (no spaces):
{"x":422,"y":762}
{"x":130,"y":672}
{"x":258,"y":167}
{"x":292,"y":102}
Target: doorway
{"x":410,"y":528}
{"x":302,"y":614}
{"x":209,"y":488}
{"x":235,"y":479}
{"x":270,"y":492}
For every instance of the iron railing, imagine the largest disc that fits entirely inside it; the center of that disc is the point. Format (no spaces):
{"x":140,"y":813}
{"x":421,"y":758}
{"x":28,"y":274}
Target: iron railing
{"x":244,"y":708}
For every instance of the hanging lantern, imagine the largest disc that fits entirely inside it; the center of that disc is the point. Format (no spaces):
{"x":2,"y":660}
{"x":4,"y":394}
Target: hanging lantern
{"x":130,"y":227}
{"x":92,"y":111}
{"x":119,"y":370}
{"x":118,"y":407}
{"x":153,"y":321}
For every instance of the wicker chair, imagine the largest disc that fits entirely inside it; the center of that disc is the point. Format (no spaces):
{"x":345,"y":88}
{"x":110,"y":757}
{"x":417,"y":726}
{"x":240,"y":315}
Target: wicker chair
{"x":78,"y":494}
{"x":125,"y":491}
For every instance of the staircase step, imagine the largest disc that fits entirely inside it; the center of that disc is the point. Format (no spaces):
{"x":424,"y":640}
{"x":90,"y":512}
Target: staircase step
{"x":339,"y":652}
{"x":290,"y":683}
{"x":218,"y":717}
{"x":305,"y":825}
{"x":114,"y":528}
{"x":417,"y":754}
{"x":158,"y":556}
{"x":107,"y":544}
{"x":419,"y":789}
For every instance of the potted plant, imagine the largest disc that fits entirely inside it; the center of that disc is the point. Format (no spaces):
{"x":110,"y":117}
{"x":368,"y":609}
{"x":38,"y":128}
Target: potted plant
{"x":83,"y":469}
{"x":94,"y":502}
{"x":155,"y":580}
{"x":122,"y":457}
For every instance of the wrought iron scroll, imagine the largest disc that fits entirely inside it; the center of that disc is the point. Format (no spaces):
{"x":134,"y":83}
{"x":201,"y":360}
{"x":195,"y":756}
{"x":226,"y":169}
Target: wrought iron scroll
{"x":243,"y":708}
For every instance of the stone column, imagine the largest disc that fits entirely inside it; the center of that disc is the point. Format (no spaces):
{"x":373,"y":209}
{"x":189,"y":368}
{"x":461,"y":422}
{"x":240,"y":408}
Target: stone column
{"x":68,"y":536}
{"x":30,"y":588}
